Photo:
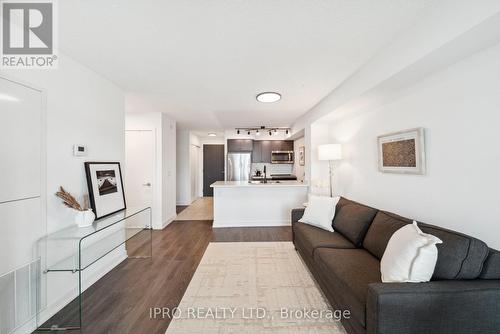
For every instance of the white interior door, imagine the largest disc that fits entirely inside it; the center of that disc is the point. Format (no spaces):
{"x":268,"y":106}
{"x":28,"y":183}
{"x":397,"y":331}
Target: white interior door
{"x":139,"y":167}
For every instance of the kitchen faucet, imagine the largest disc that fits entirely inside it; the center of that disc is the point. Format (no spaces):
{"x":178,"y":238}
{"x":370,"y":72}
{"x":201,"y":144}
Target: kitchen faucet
{"x":265,"y":175}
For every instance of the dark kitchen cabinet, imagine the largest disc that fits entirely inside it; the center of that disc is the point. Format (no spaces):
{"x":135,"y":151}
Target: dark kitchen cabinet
{"x":276,"y":145}
{"x":262,"y":149}
{"x":282,"y":145}
{"x":287,"y":145}
{"x":239,"y":145}
{"x":257,"y":151}
{"x":266,"y":148}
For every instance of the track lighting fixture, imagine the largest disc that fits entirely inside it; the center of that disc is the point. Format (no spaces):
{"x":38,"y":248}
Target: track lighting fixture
{"x":262,"y":129}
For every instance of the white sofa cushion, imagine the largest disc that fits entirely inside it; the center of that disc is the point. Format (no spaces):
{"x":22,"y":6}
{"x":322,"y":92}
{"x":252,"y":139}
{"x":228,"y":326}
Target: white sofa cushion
{"x":410,"y":256}
{"x":320,"y":211}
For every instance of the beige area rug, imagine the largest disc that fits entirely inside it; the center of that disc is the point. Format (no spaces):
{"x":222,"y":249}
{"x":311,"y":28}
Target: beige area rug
{"x":252,"y":287}
{"x":201,"y":209}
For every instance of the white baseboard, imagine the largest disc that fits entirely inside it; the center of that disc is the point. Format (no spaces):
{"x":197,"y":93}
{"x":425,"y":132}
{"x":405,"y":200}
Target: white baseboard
{"x":28,"y":327}
{"x":168,"y":221}
{"x":250,"y":223}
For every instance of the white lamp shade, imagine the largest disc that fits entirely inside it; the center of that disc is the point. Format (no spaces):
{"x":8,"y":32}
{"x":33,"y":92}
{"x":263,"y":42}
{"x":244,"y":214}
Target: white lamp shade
{"x":330,"y":152}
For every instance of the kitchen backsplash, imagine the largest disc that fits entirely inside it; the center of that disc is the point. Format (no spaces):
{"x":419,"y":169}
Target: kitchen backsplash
{"x":272,"y":168}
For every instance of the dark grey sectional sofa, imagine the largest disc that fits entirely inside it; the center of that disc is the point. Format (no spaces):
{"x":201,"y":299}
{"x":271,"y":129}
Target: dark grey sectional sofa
{"x":462,"y":297}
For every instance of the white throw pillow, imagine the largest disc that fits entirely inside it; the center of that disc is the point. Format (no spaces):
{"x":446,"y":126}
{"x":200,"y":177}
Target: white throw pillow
{"x":410,"y":256}
{"x":320,"y":211}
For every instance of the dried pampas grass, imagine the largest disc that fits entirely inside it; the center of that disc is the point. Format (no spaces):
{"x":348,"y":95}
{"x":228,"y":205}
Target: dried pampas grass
{"x":69,"y":200}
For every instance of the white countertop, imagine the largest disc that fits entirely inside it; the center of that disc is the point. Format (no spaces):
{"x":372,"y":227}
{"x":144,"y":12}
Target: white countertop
{"x":239,"y":184}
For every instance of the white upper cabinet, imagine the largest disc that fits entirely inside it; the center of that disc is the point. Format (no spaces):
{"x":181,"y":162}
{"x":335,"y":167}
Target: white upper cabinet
{"x":20,"y":141}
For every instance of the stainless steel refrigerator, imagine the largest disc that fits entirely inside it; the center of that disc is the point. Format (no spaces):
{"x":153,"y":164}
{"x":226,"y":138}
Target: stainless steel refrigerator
{"x":239,"y":166}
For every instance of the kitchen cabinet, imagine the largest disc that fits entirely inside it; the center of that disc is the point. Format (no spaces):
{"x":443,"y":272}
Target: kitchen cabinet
{"x":239,"y":145}
{"x":261,"y":149}
{"x":266,"y":146}
{"x":276,"y":145}
{"x":287,"y":145}
{"x":282,"y":145}
{"x":257,"y":151}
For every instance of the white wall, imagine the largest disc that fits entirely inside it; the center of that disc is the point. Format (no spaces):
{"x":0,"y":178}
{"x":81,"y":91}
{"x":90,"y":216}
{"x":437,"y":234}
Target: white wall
{"x":455,"y":30}
{"x":459,"y":109}
{"x":194,"y":166}
{"x":169,"y":170}
{"x":183,"y":170}
{"x":82,"y":108}
{"x":163,"y":128}
{"x":298,"y":170}
{"x":188,"y":164}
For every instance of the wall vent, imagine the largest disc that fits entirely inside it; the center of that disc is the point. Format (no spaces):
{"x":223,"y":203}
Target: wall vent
{"x":19,"y":296}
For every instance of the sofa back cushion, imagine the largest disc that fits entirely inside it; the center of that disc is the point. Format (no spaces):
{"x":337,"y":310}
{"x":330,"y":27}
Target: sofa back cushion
{"x":459,"y":256}
{"x":491,"y":268}
{"x":352,"y":220}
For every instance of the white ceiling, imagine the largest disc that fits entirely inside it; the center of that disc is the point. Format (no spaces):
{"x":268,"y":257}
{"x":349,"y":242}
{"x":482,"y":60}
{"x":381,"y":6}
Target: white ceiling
{"x":203,"y":61}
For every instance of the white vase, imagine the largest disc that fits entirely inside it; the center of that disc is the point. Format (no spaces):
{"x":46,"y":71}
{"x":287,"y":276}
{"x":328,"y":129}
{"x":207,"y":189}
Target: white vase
{"x":84,"y":218}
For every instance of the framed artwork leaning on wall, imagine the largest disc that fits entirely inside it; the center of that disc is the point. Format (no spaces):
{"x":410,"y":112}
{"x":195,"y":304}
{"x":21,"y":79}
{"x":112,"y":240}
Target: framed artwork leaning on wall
{"x":105,"y":184}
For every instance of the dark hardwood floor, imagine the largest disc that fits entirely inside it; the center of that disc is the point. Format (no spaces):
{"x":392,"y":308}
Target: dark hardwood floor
{"x":120,"y":302}
{"x":179,"y":208}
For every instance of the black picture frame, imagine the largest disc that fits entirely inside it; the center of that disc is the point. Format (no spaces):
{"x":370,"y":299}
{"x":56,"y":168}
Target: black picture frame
{"x":93,"y":197}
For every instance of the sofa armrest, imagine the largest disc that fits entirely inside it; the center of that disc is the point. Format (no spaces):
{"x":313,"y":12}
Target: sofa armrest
{"x":297,"y":214}
{"x":467,"y":306}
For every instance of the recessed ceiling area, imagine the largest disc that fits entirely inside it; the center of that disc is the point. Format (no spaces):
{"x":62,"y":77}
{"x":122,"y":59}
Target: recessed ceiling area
{"x":204,"y":62}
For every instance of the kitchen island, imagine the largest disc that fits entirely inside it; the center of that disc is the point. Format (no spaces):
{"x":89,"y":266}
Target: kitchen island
{"x":241,"y":203}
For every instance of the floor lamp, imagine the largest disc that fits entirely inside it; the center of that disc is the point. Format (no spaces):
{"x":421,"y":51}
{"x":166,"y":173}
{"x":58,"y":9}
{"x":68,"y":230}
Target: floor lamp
{"x":330,"y":153}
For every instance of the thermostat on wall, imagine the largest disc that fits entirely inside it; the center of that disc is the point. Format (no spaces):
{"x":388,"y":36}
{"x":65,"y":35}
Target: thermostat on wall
{"x":79,"y":150}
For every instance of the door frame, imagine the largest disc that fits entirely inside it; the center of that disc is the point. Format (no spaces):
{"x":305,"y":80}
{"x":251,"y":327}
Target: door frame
{"x":156,"y":200}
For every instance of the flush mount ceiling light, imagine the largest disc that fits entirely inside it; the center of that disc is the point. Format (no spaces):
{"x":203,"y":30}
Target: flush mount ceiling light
{"x":268,"y":97}
{"x":211,"y":134}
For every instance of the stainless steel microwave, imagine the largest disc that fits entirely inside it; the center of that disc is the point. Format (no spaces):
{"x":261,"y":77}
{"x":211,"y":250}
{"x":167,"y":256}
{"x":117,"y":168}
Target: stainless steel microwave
{"x":282,"y":157}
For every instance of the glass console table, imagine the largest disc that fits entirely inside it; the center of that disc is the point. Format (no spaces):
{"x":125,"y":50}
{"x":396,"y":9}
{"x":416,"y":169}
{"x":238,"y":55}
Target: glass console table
{"x":71,"y":250}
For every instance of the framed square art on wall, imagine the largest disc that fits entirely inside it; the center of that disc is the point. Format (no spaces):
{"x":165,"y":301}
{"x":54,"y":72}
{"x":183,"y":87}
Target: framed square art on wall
{"x":402,"y":152}
{"x":105,"y":184}
{"x":302,"y":156}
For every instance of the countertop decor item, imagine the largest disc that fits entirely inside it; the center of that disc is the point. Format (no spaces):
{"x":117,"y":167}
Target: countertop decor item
{"x":84,"y":216}
{"x":104,"y":180}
